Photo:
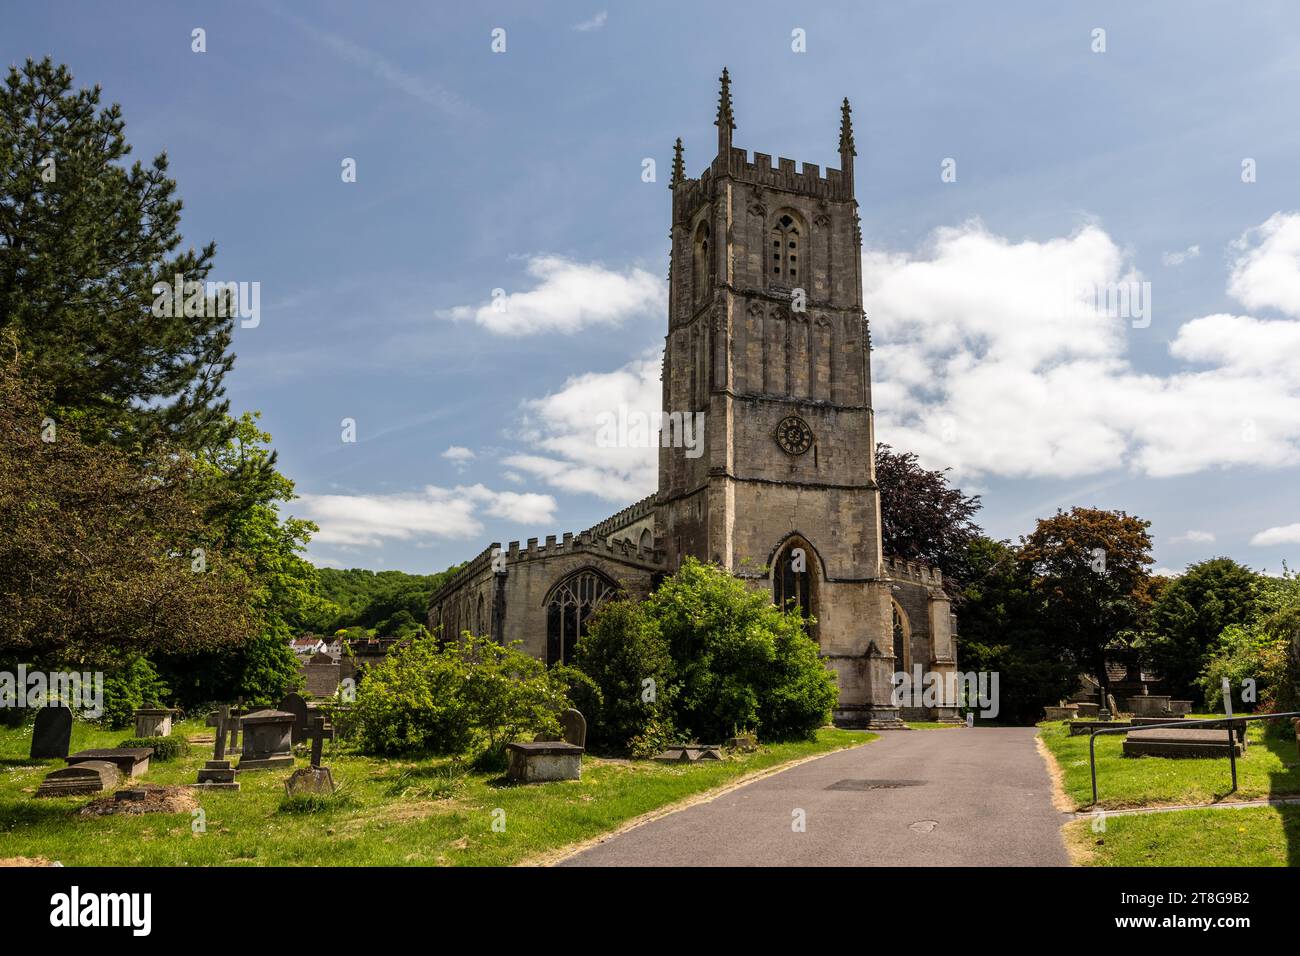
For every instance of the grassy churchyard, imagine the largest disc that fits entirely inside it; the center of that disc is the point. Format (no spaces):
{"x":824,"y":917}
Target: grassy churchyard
{"x":386,"y":812}
{"x":1250,"y":836}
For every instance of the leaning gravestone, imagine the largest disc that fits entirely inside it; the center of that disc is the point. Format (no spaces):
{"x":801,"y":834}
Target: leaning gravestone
{"x":294,"y":704}
{"x":91,"y":776}
{"x":575,"y":727}
{"x":52,"y":733}
{"x":314,"y":779}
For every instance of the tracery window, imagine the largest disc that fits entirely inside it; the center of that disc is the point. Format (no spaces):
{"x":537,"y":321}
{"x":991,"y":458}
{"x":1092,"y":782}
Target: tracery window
{"x":568,"y":608}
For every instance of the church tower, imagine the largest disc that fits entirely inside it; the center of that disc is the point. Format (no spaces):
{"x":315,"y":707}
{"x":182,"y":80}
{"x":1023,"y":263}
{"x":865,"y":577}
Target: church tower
{"x":768,"y":339}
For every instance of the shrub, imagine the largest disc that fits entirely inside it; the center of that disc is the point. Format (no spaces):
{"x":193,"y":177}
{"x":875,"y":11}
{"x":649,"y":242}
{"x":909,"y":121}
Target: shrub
{"x":738,"y":661}
{"x":165,"y":749}
{"x":468,"y":696}
{"x":127,"y":688}
{"x":622,"y":651}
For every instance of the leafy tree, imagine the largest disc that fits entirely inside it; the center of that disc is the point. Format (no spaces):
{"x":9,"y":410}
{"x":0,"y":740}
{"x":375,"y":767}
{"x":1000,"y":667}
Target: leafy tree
{"x":1003,"y":629}
{"x":1190,"y":613}
{"x":83,"y":241}
{"x":922,"y":518}
{"x":739,"y":662}
{"x":1089,"y":569}
{"x":621,"y":650}
{"x":102,"y":561}
{"x":246,"y":490}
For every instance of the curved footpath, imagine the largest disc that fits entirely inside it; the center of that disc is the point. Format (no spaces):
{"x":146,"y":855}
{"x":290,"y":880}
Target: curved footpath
{"x":958,"y":797}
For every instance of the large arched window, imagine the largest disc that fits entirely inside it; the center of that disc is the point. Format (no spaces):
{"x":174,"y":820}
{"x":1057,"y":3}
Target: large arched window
{"x":568,"y":608}
{"x":702,"y":264}
{"x":794,"y":578}
{"x":785,"y":244}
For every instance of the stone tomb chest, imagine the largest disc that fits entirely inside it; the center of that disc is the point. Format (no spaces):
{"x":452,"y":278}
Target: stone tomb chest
{"x":130,"y":761}
{"x":153,"y":722}
{"x":540,"y":761}
{"x":268,"y":740}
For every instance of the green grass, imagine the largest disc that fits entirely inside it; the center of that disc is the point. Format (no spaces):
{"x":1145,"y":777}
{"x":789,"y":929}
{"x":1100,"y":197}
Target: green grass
{"x":388,"y":812}
{"x":1257,"y":836}
{"x":1269,"y":768}
{"x":930,"y":725}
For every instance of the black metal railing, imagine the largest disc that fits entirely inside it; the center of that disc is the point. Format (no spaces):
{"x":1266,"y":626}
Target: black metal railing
{"x":1232,"y":723}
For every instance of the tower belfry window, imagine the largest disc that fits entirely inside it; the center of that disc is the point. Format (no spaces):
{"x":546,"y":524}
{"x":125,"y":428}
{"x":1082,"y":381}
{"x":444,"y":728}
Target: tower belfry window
{"x":785,"y":236}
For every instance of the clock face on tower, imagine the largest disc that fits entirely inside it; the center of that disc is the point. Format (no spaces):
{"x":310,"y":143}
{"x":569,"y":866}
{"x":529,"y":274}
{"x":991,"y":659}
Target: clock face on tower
{"x":793,"y":435}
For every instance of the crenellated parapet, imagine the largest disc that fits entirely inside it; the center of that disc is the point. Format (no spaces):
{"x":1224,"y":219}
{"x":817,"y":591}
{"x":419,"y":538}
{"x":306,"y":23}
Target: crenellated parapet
{"x":915,"y":572}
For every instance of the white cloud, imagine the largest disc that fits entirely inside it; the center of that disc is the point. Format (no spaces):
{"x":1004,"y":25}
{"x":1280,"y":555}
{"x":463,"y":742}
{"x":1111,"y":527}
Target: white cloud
{"x":432,"y":513}
{"x":569,"y":296}
{"x":595,"y":23}
{"x":460,"y":456}
{"x":1195,"y":537}
{"x":1284,"y":534}
{"x":1266,"y":273}
{"x":987,"y":359}
{"x":562,"y":430}
{"x":1176,"y":259}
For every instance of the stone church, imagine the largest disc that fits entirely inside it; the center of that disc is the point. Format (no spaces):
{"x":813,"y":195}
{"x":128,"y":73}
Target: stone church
{"x":767,"y":337}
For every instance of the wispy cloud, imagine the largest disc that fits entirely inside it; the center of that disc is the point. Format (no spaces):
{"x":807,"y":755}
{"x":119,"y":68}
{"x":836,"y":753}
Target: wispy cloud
{"x":595,"y":23}
{"x":1284,"y":534}
{"x":381,"y":68}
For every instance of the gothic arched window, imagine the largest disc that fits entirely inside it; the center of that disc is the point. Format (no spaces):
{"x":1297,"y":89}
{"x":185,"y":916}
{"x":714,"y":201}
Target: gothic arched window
{"x":478,"y":618}
{"x":702,"y":264}
{"x":793,"y":578}
{"x":568,"y":608}
{"x":784,"y":245}
{"x":902,"y":631}
{"x":647,"y":542}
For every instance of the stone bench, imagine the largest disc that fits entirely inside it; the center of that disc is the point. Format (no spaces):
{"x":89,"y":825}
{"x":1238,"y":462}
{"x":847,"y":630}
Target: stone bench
{"x":540,"y":761}
{"x":1176,"y":742}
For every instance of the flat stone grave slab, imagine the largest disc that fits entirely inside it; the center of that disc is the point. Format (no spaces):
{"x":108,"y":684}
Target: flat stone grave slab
{"x":542,"y":761}
{"x":1067,"y":712}
{"x":131,"y":761}
{"x":89,"y":776}
{"x":1176,"y":742}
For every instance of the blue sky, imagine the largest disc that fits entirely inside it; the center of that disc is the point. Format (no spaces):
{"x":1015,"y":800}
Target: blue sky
{"x":522,"y":171}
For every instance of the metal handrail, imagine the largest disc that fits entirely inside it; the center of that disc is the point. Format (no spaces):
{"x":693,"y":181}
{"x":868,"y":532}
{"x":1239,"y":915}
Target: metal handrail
{"x":1232,"y":742}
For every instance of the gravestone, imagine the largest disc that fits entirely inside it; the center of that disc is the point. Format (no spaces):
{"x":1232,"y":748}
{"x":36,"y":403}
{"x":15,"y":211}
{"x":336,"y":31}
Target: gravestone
{"x":153,"y":722}
{"x":575,"y":727}
{"x":1111,"y":705}
{"x":294,"y":704}
{"x":268,"y":740}
{"x":217,"y":773}
{"x":52,"y":733}
{"x":313,"y":779}
{"x":90,"y":776}
{"x":130,"y":761}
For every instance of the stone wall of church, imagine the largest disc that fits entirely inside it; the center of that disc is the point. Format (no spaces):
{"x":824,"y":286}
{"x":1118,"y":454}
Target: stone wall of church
{"x":515,"y":588}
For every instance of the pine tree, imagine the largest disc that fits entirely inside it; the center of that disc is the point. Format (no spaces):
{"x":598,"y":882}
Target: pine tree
{"x":83,"y":241}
